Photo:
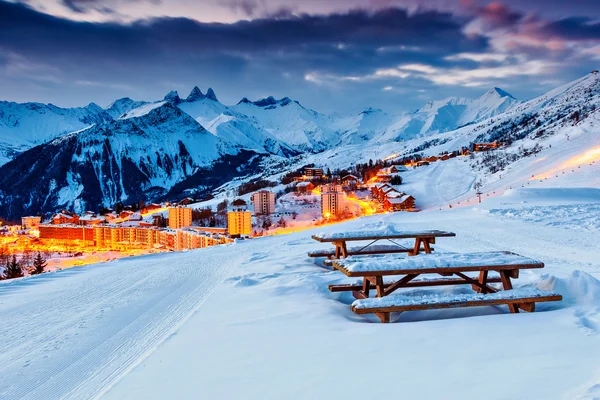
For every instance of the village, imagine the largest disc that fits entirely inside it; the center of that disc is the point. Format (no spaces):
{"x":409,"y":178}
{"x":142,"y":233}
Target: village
{"x":309,"y":197}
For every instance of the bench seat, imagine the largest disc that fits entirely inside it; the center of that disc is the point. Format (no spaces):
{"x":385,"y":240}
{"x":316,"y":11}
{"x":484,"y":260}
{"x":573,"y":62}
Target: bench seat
{"x":383,"y":306}
{"x":422,"y":281}
{"x":362,"y":250}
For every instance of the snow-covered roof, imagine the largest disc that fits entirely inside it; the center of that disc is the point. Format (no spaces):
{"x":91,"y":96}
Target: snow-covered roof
{"x":303,"y":184}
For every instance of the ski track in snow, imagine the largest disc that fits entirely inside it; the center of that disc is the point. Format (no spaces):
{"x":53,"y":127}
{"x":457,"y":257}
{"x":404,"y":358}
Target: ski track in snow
{"x":118,"y":314}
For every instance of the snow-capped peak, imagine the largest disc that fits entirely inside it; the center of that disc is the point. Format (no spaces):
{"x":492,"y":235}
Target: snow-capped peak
{"x":195,"y":94}
{"x":210,"y":94}
{"x":497,"y":92}
{"x":173,"y":97}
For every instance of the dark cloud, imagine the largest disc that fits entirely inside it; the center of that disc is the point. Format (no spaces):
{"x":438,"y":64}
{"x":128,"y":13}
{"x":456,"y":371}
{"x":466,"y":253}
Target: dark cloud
{"x":335,"y":36}
{"x":102,"y":6}
{"x":573,"y":28}
{"x":269,"y":54}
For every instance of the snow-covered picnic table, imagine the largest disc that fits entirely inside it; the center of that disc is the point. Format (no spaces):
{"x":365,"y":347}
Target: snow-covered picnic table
{"x":340,"y":239}
{"x":454,"y":269}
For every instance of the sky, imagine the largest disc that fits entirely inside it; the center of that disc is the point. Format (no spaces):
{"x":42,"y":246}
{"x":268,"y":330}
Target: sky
{"x":333,"y":56}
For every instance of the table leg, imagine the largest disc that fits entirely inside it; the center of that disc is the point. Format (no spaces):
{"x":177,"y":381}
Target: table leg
{"x":417,"y":247}
{"x":344,"y":250}
{"x":507,"y":285}
{"x":379,"y":286}
{"x":483,"y":276}
{"x":426,"y":246}
{"x":366,"y":286}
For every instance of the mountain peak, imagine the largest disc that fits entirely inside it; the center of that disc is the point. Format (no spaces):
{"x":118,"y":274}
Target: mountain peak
{"x":211,"y":95}
{"x":496,"y":91}
{"x":195,"y":94}
{"x":268,"y":101}
{"x":173,"y":97}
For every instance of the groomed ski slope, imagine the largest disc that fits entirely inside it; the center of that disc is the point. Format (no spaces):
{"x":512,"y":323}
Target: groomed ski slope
{"x":71,"y":333}
{"x":273,"y":330}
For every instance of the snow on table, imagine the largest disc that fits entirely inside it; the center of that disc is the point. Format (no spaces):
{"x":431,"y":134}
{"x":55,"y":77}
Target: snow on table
{"x":395,"y":262}
{"x":390,"y":232}
{"x":442,"y":298}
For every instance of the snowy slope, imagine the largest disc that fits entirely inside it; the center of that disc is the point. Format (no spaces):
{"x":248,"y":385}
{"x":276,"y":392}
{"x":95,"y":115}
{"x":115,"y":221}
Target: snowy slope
{"x":232,"y":126}
{"x":258,"y":313}
{"x":25,"y":125}
{"x":122,"y":106}
{"x":300,"y":128}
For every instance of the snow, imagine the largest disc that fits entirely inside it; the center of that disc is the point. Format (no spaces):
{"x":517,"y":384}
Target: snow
{"x":382,"y":230}
{"x":69,"y":333}
{"x":457,"y":298}
{"x":437,"y":260}
{"x":256,"y":317}
{"x":142,"y":110}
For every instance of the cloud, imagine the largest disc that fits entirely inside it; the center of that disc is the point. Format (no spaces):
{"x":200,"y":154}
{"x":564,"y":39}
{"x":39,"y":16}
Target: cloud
{"x":247,"y":7}
{"x":102,"y":6}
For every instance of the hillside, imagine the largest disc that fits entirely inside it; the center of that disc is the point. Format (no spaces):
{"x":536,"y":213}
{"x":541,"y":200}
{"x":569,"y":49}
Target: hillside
{"x":283,"y":134}
{"x":163,"y":152}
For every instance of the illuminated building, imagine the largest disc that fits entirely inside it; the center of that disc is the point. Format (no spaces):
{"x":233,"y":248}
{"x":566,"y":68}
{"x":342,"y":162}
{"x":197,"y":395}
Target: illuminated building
{"x":30,"y":222}
{"x":264,"y":202}
{"x":332,"y":204}
{"x":239,"y":223}
{"x":180,"y":217}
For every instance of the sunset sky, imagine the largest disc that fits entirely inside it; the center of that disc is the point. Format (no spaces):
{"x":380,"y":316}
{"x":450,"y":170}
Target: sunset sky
{"x":333,"y":56}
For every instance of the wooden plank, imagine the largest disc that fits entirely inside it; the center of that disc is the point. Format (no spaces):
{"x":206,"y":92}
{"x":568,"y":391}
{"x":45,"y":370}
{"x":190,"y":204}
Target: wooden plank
{"x":416,"y":248}
{"x":439,"y":270}
{"x":366,"y":286}
{"x":384,"y":317}
{"x":484,"y":288}
{"x":379,"y":286}
{"x":507,"y":285}
{"x":412,"y":235}
{"x":359,"y":295}
{"x":365,"y":252}
{"x":475,"y":303}
{"x":483,"y":277}
{"x":426,"y":246}
{"x":412,"y":284}
{"x":399,"y":284}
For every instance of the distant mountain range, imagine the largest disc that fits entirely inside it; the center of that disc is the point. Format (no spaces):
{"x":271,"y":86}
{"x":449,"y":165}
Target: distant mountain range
{"x":84,"y":158}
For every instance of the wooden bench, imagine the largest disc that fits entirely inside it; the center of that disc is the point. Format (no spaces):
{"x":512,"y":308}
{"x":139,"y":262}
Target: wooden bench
{"x":383,"y":306}
{"x":423,"y":242}
{"x":415,"y":283}
{"x":364,"y":250}
{"x":373,"y":269}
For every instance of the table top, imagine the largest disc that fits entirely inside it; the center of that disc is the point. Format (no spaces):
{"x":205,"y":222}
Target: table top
{"x":376,"y":235}
{"x":394,"y":264}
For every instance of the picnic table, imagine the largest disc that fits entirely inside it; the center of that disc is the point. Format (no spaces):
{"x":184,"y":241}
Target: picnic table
{"x":340,"y":240}
{"x":447,"y":265}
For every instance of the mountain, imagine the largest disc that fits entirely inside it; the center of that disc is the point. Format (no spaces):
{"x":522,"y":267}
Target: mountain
{"x":176,"y":146}
{"x":163,"y":152}
{"x":25,"y":125}
{"x":232,"y":126}
{"x":287,"y":120}
{"x":123,"y":106}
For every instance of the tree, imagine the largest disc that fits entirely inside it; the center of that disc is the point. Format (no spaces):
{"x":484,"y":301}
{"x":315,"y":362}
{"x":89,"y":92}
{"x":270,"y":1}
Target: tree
{"x":39,"y":264}
{"x":396,"y":180}
{"x":281,"y":223}
{"x":13,"y":269}
{"x":239,"y":203}
{"x":222,"y":207}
